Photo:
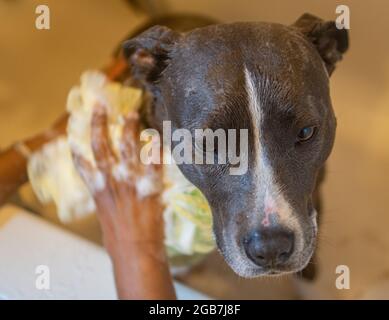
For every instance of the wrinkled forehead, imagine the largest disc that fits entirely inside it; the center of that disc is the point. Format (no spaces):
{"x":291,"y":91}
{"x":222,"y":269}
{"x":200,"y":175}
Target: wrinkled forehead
{"x":208,"y":67}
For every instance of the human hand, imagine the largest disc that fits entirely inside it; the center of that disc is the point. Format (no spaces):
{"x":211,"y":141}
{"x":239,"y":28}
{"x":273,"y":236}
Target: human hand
{"x":126,"y":215}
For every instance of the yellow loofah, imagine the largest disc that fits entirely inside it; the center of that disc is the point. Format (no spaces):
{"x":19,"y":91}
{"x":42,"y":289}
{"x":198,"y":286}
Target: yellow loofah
{"x":188,"y":220}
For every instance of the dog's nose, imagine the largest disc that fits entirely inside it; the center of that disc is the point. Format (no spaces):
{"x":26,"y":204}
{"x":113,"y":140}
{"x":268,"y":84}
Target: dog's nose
{"x":269,"y":247}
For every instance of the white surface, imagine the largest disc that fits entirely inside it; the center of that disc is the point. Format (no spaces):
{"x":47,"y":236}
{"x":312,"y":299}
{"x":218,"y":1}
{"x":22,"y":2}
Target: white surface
{"x":79,"y":269}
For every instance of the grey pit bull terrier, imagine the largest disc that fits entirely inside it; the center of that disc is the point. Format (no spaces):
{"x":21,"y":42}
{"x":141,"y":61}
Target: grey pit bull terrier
{"x":274,"y":81}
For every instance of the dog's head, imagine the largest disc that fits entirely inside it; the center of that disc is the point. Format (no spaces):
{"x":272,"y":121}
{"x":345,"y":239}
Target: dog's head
{"x":274,"y":81}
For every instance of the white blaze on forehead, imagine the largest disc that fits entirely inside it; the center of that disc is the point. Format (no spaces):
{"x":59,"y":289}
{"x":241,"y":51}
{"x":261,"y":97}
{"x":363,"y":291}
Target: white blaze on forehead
{"x":254,"y":104}
{"x":265,"y":185}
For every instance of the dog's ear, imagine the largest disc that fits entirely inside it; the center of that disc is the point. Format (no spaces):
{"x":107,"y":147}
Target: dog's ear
{"x":148,"y":53}
{"x":329,"y":41}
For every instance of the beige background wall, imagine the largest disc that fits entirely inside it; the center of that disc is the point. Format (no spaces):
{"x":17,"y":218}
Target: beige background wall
{"x":37,"y":68}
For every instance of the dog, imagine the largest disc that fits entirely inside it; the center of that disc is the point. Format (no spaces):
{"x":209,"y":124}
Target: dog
{"x":274,"y":81}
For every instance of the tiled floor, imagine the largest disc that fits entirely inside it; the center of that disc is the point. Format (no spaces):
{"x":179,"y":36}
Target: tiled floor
{"x":38,"y":68}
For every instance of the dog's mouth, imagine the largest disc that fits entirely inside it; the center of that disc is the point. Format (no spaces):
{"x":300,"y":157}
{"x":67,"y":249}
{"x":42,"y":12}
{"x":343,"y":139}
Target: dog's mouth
{"x":245,"y":267}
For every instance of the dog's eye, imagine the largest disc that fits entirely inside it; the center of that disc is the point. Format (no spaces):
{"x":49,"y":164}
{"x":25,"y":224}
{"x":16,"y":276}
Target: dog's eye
{"x":305,"y":134}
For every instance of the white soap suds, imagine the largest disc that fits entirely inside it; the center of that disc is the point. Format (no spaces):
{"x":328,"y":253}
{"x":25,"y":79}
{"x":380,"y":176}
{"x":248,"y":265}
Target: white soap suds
{"x":147,"y":186}
{"x":98,"y":181}
{"x":120,"y":172}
